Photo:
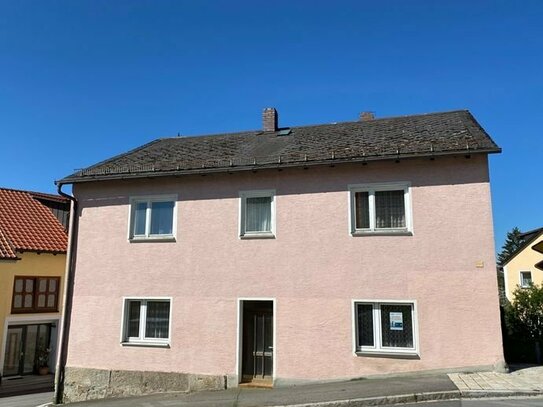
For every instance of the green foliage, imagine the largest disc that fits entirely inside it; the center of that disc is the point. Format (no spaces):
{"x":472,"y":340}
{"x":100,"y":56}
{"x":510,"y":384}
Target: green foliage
{"x":512,"y":243}
{"x":43,"y":353}
{"x":524,"y":315}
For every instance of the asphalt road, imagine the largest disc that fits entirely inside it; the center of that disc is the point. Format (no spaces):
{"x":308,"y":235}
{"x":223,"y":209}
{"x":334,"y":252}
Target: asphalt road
{"x":34,"y":400}
{"x":521,"y":402}
{"x":28,"y":400}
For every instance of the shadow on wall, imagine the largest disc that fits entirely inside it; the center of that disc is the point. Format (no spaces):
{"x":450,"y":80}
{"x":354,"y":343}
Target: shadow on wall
{"x":289,"y":181}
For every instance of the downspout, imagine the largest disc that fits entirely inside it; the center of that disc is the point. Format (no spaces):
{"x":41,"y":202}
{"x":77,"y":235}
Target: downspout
{"x":67,"y":300}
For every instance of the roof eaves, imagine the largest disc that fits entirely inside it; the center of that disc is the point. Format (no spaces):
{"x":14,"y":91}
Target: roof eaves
{"x":524,"y":246}
{"x":538,"y":247}
{"x":61,"y":181}
{"x":154,"y":174}
{"x":39,"y":251}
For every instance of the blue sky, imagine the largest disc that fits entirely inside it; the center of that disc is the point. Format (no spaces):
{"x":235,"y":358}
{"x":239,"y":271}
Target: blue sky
{"x":81,"y":81}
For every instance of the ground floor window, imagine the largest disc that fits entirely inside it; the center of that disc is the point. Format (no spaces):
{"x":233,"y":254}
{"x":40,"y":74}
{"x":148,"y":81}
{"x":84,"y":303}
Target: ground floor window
{"x":27,"y":348}
{"x":385,"y":327}
{"x":147,"y":320}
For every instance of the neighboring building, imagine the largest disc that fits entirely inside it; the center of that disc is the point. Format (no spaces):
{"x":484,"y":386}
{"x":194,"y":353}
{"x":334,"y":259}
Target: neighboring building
{"x":33,"y":242}
{"x":526,"y":265}
{"x":285,"y":255}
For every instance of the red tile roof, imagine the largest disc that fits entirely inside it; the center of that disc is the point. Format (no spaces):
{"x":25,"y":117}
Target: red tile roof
{"x":27,"y":225}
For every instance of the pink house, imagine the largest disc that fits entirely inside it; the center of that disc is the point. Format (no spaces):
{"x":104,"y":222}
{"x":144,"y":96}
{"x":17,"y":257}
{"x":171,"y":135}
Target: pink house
{"x":283,"y":256}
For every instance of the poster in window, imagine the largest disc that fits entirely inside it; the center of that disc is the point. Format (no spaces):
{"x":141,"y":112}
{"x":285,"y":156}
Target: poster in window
{"x":396,"y":321}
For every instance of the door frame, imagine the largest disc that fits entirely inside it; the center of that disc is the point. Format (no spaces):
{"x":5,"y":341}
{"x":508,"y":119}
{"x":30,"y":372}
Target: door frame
{"x":52,"y":319}
{"x":239,"y":336}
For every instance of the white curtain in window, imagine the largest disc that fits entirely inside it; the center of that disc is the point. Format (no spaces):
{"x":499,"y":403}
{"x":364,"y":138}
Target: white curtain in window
{"x":161,"y":218}
{"x":258,"y":214}
{"x":158,"y":319}
{"x":389,"y":209}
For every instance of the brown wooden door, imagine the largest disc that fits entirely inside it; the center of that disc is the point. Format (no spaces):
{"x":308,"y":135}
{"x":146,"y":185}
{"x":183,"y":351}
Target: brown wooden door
{"x":257,"y":344}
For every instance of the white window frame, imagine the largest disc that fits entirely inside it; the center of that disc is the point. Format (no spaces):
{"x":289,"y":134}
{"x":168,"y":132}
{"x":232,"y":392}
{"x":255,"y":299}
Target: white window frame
{"x":132,"y":215}
{"x":263,"y":193}
{"x":521,"y":278}
{"x":371,"y":189}
{"x":377,"y":348}
{"x":141,"y":340}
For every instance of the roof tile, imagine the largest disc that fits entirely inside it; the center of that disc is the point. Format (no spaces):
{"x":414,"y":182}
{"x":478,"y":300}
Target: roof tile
{"x":27,"y":225}
{"x":419,"y":135}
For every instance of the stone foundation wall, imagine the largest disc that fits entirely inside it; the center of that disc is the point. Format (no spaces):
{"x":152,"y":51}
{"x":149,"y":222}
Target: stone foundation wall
{"x":87,"y":384}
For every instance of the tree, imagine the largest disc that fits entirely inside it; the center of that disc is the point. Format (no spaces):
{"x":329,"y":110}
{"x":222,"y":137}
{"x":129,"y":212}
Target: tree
{"x":525,"y":314}
{"x":513,"y":242}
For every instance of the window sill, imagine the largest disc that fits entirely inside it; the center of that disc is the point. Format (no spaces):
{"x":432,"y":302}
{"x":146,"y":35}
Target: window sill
{"x":152,"y":239}
{"x":263,"y":235}
{"x":147,"y":344}
{"x":388,"y":354}
{"x":382,"y":233}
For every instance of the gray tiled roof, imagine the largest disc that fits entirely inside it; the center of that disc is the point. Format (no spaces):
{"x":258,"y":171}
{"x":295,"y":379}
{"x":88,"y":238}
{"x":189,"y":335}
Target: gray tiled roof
{"x":455,"y":132}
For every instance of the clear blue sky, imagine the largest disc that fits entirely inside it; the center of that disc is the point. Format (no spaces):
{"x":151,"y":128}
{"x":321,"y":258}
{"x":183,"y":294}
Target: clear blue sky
{"x":81,"y":81}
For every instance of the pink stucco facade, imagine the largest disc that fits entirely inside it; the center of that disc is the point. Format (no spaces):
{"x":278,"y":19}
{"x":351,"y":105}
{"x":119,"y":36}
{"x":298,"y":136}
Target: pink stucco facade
{"x":313,"y":269}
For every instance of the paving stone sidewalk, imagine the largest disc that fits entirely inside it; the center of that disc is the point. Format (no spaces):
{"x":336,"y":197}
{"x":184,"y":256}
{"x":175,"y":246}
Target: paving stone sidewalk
{"x":523,"y":380}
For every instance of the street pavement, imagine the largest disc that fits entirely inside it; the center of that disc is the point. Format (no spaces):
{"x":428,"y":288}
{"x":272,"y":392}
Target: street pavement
{"x":28,"y":400}
{"x":522,"y":380}
{"x":283,"y":396}
{"x":453,"y":390}
{"x":514,"y":402}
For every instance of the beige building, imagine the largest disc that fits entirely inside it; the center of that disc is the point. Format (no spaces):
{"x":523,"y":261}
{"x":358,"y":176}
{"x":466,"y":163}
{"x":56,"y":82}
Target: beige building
{"x":526,"y":266}
{"x":33,"y":242}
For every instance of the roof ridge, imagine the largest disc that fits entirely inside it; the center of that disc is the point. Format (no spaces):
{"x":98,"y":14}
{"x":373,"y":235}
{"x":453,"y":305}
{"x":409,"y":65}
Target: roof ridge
{"x":37,"y":194}
{"x":529,"y":232}
{"x":376,"y":119}
{"x":314,"y":125}
{"x":199,"y":136}
{"x":28,"y":191}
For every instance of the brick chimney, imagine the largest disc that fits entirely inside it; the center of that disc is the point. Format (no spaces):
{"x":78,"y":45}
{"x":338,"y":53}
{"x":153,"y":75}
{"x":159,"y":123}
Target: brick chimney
{"x":269,"y":119}
{"x":366,"y":116}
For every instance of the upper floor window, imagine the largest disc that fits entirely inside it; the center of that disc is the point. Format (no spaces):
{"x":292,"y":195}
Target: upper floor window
{"x":525,"y":279}
{"x":380,"y":208}
{"x":257,"y":214}
{"x":147,"y":321}
{"x":152,"y":217}
{"x":386,"y":327}
{"x":35,"y":294}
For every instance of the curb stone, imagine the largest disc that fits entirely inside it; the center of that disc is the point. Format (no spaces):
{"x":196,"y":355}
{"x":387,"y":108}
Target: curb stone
{"x":415,"y":398}
{"x":475,"y":394}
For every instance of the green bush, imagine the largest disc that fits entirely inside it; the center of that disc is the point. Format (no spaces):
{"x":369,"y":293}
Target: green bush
{"x":524,"y":316}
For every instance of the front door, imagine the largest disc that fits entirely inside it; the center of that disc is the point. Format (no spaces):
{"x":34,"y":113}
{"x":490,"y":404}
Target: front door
{"x":23,"y":346}
{"x":257,"y":344}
